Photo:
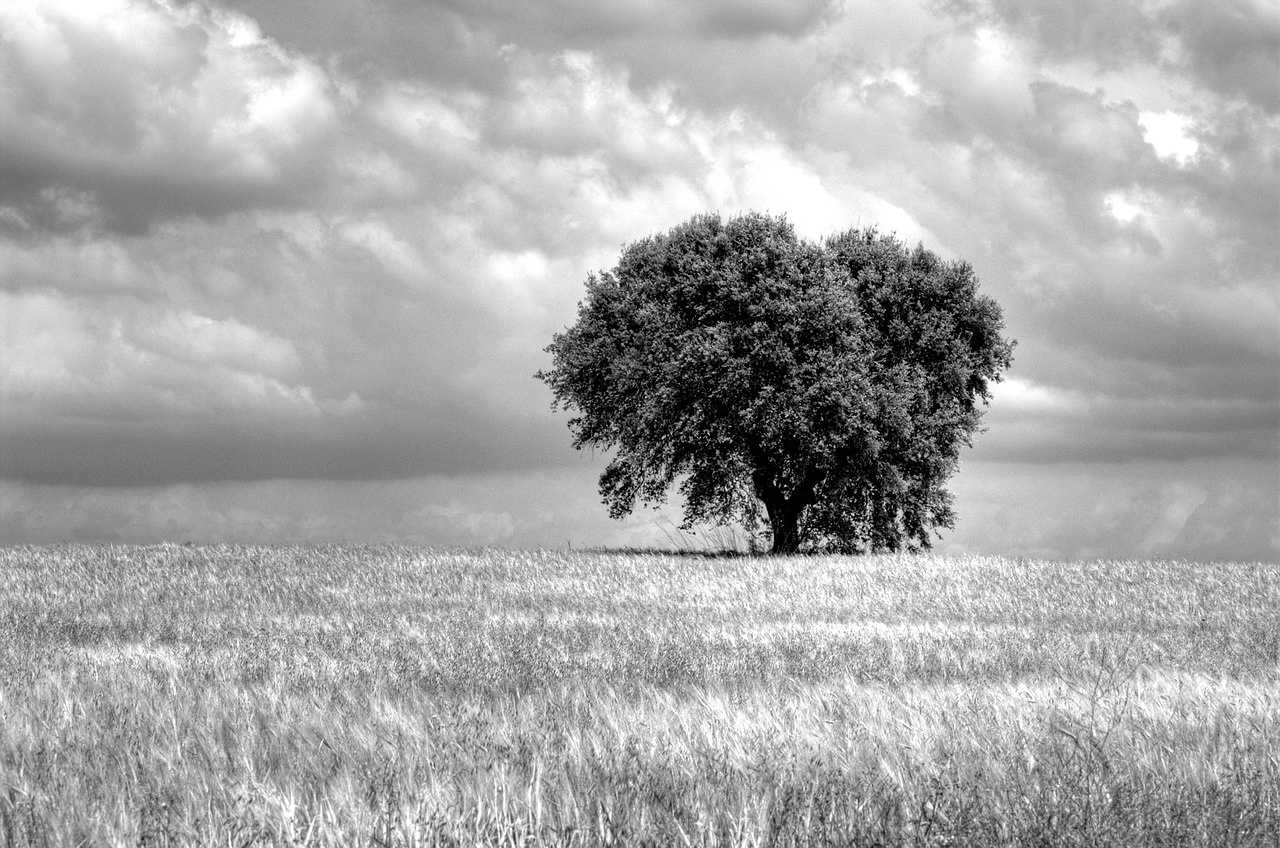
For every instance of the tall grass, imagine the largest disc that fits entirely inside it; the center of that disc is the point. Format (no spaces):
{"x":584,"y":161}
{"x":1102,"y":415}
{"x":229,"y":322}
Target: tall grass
{"x":400,"y":696}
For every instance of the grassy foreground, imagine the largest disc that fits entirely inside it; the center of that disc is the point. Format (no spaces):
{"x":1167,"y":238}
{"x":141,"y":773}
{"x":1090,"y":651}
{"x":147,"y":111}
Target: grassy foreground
{"x":238,"y":696}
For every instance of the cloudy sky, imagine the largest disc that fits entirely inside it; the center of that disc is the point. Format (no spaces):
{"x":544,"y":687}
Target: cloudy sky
{"x":282,"y":270}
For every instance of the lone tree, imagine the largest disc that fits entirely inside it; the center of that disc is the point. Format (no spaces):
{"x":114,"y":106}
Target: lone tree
{"x":833,"y":384}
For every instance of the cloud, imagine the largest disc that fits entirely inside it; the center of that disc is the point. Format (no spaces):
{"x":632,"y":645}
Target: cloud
{"x":1139,"y":282}
{"x":1209,"y":511}
{"x":388,"y":338}
{"x":1112,"y":33}
{"x":61,"y":357}
{"x":122,"y":115}
{"x":552,"y":509}
{"x":1230,"y":46}
{"x":1206,"y":511}
{"x":714,"y":20}
{"x":721,"y":55}
{"x":1169,"y":133}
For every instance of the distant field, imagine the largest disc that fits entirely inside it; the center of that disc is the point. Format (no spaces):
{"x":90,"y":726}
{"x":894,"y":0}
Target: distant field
{"x":238,"y":696}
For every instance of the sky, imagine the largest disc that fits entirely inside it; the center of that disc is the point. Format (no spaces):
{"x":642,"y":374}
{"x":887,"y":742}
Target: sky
{"x":283,"y":270}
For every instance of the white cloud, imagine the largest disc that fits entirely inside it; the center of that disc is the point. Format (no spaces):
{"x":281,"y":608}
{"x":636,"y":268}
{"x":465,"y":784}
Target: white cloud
{"x":63,"y":359}
{"x":515,"y":279}
{"x":1122,"y":208}
{"x":209,"y":342}
{"x":424,"y":118}
{"x":1020,"y":396}
{"x":396,"y":255}
{"x":70,"y":265}
{"x":41,"y":343}
{"x":1169,"y":133}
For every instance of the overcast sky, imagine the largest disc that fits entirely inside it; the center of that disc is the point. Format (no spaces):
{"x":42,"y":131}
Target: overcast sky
{"x":282,"y":270}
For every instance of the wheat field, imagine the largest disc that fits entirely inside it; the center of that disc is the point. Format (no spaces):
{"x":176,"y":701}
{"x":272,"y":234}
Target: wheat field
{"x":317,"y":696}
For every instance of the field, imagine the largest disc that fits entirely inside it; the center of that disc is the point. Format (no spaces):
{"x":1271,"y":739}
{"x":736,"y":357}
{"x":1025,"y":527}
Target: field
{"x":239,"y":696}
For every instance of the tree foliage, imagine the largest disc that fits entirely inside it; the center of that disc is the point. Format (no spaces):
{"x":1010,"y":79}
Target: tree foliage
{"x":832,"y":384}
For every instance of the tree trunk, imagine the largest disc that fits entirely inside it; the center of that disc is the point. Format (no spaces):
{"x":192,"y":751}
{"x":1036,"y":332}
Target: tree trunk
{"x":783,"y":509}
{"x":784,"y":522}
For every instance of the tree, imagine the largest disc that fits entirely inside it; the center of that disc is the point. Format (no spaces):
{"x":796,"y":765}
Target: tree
{"x":832,"y":384}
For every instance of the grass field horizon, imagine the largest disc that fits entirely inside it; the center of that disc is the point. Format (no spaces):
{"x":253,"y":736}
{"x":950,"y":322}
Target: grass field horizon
{"x":397,"y":695}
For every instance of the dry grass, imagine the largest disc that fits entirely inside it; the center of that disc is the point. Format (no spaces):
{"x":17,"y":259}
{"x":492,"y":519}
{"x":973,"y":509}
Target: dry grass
{"x":400,"y":696}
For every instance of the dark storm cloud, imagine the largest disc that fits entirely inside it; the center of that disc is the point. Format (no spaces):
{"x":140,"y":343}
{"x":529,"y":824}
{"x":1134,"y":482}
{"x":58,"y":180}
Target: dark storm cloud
{"x":376,"y":364}
{"x":65,"y":196}
{"x":1113,"y":33}
{"x":1232,"y":46}
{"x":373,"y":40}
{"x":131,"y":454}
{"x":723,"y":54}
{"x":544,"y":509}
{"x":697,"y":49}
{"x":143,"y":114}
{"x":1118,"y":430}
{"x":575,"y":20}
{"x":1237,"y":183}
{"x":1210,"y":511}
{"x":1081,"y":140}
{"x":392,"y":30}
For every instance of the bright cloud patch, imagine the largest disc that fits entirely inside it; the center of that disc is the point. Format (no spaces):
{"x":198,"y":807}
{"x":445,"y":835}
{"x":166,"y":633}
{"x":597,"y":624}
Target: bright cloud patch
{"x":142,"y":365}
{"x":1121,"y":208}
{"x":1170,"y":134}
{"x":1023,"y":396}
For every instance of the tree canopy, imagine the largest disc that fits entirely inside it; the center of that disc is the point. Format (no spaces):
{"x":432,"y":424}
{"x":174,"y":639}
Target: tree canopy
{"x":832,"y":384}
